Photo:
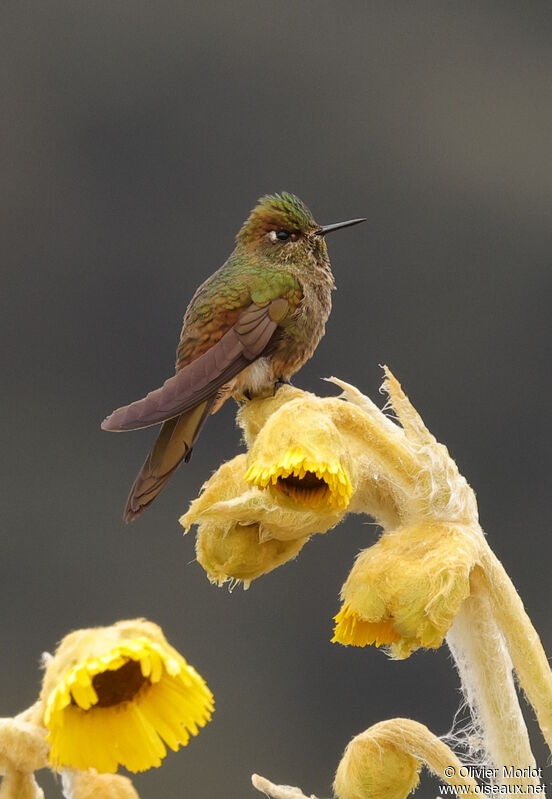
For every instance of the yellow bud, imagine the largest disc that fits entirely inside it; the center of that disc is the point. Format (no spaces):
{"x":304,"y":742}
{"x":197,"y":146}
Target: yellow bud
{"x":384,"y":762}
{"x":239,"y":554}
{"x":372,"y":769}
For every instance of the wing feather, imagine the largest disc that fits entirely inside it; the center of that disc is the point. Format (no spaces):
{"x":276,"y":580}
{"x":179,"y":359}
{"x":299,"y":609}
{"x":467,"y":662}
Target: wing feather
{"x":244,"y":342}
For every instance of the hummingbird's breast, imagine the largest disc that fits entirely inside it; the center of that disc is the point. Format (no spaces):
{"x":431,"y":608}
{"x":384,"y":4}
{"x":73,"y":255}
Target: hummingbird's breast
{"x":297,"y":336}
{"x":302,"y":332}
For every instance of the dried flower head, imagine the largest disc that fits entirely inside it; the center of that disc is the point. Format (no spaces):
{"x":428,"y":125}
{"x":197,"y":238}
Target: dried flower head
{"x":118,"y":696}
{"x":405,"y":590}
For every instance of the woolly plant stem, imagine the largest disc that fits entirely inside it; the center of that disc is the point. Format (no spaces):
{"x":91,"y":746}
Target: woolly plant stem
{"x":23,"y":750}
{"x":485,"y":669}
{"x":19,"y":785}
{"x":524,"y":645}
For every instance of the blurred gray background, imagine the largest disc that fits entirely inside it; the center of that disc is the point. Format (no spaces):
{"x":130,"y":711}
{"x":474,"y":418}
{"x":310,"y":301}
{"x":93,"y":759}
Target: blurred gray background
{"x":135,"y":138}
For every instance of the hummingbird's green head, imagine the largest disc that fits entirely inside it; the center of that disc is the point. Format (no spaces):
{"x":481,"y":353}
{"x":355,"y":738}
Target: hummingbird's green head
{"x":284,"y":230}
{"x":277,"y":219}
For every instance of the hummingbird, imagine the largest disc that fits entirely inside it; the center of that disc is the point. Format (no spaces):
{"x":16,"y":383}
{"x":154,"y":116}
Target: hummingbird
{"x":248,"y":328}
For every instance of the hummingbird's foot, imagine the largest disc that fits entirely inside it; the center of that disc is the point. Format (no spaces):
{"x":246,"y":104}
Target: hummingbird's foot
{"x":279,"y":383}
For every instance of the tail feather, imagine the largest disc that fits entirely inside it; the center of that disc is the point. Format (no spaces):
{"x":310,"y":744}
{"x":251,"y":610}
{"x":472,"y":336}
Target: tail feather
{"x":173,"y":444}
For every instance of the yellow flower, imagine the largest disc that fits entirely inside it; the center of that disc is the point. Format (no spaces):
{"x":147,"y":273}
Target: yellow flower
{"x":313,"y":483}
{"x":299,"y":453}
{"x":405,"y":591}
{"x":118,"y":696}
{"x":311,"y":460}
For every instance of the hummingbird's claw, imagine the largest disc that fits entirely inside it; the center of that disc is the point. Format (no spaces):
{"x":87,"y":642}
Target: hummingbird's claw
{"x":279,"y":383}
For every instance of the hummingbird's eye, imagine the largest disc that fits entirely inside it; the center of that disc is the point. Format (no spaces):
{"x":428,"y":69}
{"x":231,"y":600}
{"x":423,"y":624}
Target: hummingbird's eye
{"x":282,"y":235}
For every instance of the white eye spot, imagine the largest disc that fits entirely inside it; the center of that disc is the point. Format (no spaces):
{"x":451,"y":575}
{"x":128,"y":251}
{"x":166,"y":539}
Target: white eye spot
{"x":272,"y":236}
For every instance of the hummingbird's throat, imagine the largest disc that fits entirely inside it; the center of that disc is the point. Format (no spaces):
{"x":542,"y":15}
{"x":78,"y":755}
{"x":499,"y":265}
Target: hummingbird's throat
{"x":308,"y":489}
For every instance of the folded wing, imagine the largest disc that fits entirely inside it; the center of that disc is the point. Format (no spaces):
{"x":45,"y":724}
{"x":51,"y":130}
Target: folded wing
{"x":249,"y":338}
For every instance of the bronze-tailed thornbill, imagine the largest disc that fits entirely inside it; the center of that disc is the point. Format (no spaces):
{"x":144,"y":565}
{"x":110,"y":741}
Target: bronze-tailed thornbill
{"x":248,"y":328}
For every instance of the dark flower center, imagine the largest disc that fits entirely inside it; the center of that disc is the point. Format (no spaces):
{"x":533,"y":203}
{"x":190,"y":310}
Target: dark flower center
{"x":309,"y":484}
{"x":119,"y":685}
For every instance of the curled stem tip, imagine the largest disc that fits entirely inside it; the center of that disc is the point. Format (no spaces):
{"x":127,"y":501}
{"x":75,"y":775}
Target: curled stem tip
{"x":384,"y":762}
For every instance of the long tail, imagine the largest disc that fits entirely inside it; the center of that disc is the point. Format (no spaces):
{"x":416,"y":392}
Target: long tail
{"x":173,"y":444}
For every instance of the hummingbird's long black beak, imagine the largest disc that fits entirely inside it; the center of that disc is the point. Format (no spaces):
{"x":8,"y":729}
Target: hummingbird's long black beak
{"x":337,"y":225}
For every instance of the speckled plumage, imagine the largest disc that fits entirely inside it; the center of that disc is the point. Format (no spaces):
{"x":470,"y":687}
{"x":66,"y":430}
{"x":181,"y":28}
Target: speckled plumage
{"x":249,"y":326}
